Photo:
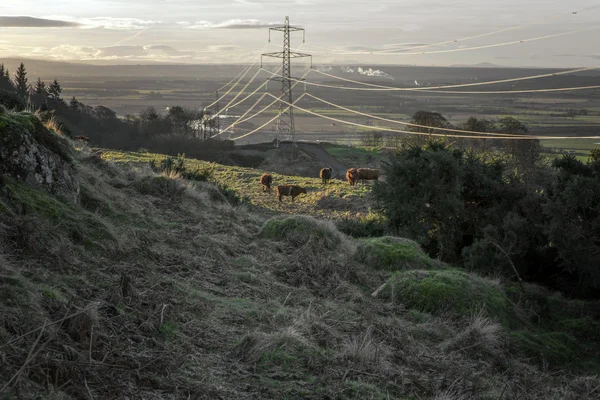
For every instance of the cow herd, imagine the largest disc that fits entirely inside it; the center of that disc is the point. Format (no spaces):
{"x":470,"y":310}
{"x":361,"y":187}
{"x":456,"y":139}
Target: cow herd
{"x":353,"y":176}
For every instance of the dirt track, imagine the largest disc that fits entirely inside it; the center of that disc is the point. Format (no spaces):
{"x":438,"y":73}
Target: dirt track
{"x":318,"y":153}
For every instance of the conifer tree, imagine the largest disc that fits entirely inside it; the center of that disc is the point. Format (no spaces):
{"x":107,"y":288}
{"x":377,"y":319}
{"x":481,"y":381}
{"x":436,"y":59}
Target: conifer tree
{"x":74,"y":104}
{"x":40,"y":87}
{"x":5,"y":82}
{"x":21,"y":81}
{"x":55,"y":90}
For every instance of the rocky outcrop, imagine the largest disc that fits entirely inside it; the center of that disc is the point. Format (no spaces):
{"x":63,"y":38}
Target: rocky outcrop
{"x":31,"y":153}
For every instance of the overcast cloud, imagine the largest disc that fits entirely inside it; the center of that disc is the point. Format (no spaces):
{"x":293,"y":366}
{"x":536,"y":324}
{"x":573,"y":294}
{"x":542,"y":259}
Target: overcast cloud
{"x":349,"y":31}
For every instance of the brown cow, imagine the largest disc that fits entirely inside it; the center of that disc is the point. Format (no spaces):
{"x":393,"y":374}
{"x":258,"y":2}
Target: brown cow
{"x":351,"y":176}
{"x":266,"y":180}
{"x":289,"y":190}
{"x":325,"y":175}
{"x":366,"y":174}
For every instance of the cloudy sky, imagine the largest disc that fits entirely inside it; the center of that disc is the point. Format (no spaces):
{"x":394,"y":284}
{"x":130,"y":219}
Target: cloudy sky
{"x":553,"y":33}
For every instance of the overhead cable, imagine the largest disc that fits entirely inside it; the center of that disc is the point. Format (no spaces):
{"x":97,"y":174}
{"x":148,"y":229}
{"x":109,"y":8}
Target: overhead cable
{"x":524,"y":137}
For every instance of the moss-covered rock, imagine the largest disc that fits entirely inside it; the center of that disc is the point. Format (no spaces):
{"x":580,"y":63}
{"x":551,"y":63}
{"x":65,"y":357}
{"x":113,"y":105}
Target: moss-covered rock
{"x":300,"y":230}
{"x":450,"y":290}
{"x":555,"y":348}
{"x":31,"y":153}
{"x":392,"y":253}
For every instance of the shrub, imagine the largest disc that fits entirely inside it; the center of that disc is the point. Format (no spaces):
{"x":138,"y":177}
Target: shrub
{"x":450,"y":290}
{"x":231,"y":195}
{"x":582,"y":328}
{"x":199,"y":175}
{"x":373,"y":225}
{"x":555,"y":348}
{"x":392,"y":253}
{"x":170,"y":166}
{"x":159,"y":186}
{"x":300,"y":230}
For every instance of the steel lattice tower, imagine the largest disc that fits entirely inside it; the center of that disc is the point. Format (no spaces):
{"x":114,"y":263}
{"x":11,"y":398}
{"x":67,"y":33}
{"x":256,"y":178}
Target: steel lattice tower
{"x":285,"y":121}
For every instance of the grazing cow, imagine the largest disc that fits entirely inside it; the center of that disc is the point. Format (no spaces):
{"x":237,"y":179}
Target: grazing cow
{"x":289,"y":190}
{"x":351,"y":176}
{"x":325,"y":175}
{"x":266,"y":180}
{"x":366,"y":174}
{"x":82,"y":138}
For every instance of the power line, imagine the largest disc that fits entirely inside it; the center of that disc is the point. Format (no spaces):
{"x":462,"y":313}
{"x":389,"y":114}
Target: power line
{"x":239,"y":93}
{"x":237,"y":76}
{"x":432,"y":88}
{"x":233,"y":87}
{"x":250,"y":95}
{"x":272,"y":119}
{"x":240,"y":73}
{"x":427,"y":88}
{"x":524,"y":137}
{"x":241,"y":118}
{"x":513,"y":42}
{"x":405,"y":123}
{"x":557,"y":16}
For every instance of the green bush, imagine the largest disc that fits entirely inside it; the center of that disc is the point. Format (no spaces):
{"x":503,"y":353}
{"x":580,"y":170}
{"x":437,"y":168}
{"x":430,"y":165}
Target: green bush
{"x":581,"y":328}
{"x":392,"y":253}
{"x":230,"y":195}
{"x":450,"y":290}
{"x":300,"y":230}
{"x":199,"y":175}
{"x":373,"y":225}
{"x":555,"y":348}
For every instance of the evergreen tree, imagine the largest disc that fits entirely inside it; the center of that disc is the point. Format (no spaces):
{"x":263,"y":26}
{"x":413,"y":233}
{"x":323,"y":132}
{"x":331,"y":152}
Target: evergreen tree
{"x":74,"y":104}
{"x":40,"y":87}
{"x":55,"y":90}
{"x":21,"y":81}
{"x":5,"y":82}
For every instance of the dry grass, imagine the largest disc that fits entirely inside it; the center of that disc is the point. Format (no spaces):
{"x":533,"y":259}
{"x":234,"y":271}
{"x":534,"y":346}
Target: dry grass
{"x":182,"y":296}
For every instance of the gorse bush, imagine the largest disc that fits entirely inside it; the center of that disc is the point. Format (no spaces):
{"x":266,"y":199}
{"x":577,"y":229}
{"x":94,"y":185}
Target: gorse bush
{"x":176,"y":166}
{"x":467,"y":209}
{"x":371,"y":225}
{"x":392,"y":253}
{"x":300,"y":230}
{"x":451,"y":290}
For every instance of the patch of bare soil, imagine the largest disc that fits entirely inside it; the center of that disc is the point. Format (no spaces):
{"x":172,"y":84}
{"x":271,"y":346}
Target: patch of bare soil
{"x":291,"y":161}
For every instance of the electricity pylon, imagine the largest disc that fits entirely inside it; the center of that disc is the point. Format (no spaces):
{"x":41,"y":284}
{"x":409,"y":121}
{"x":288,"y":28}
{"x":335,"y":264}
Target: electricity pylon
{"x":285,"y":121}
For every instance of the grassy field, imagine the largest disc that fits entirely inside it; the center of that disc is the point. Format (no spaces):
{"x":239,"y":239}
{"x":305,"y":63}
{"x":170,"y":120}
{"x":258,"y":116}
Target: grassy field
{"x":334,"y":200}
{"x":156,"y":287}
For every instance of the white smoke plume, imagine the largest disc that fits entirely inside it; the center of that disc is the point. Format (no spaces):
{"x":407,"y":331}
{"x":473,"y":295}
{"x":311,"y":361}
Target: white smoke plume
{"x":374,"y":72}
{"x":324,"y":68}
{"x":366,"y":72}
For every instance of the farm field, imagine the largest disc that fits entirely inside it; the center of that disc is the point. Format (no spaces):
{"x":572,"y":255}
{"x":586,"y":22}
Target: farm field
{"x":131,"y":89}
{"x":332,"y":201}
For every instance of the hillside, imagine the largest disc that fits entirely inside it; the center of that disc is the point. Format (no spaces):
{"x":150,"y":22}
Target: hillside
{"x":153,"y":286}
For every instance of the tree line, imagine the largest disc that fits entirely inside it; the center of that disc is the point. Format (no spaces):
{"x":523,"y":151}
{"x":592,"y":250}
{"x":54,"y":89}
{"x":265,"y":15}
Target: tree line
{"x":493,"y":216}
{"x":178,"y":130}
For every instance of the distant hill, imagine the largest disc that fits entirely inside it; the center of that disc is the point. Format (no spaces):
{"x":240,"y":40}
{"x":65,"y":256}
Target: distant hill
{"x":480,"y":65}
